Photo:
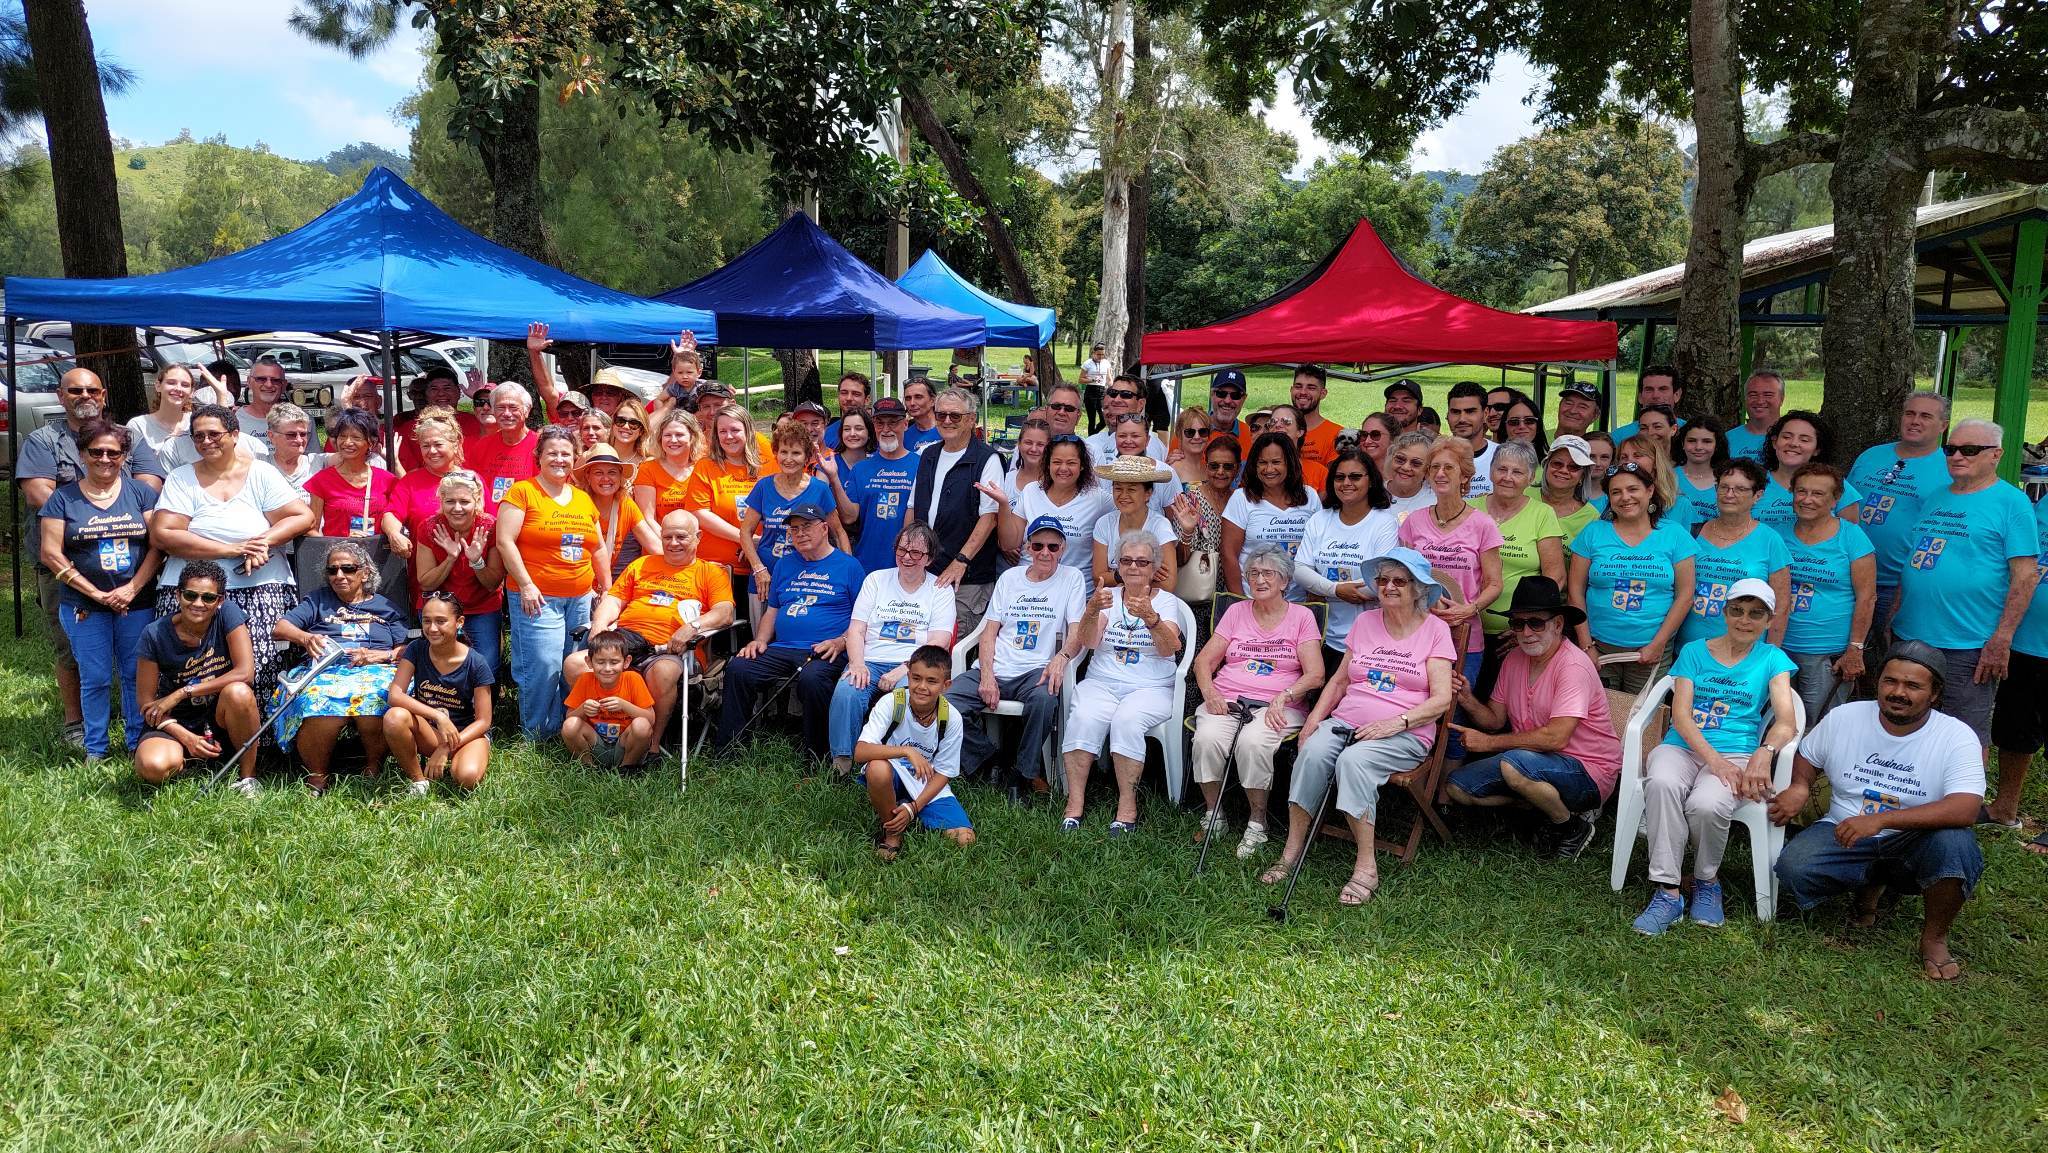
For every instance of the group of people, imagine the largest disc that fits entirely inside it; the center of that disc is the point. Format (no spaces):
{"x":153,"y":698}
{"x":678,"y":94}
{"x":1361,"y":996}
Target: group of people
{"x":1359,"y":593}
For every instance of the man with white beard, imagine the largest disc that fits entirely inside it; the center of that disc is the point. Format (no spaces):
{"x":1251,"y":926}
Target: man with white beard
{"x":878,"y":492}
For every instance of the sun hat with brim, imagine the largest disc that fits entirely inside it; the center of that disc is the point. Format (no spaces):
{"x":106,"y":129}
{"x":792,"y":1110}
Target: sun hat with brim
{"x":1574,"y":447}
{"x":1753,"y":589}
{"x":1133,"y":470}
{"x":599,"y":454}
{"x":1418,"y":569}
{"x":1540,"y":594}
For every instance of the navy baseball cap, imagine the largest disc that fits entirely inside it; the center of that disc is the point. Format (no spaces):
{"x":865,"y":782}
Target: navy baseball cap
{"x":889,"y":406}
{"x":1228,"y":378}
{"x":1404,"y":385}
{"x":1046,"y":524}
{"x":806,"y":511}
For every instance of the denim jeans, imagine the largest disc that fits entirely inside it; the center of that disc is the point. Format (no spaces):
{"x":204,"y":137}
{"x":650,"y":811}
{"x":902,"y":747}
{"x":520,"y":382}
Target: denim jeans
{"x":811,"y":682}
{"x":850,"y":707}
{"x":540,"y":643}
{"x":485,"y":632}
{"x":105,"y":644}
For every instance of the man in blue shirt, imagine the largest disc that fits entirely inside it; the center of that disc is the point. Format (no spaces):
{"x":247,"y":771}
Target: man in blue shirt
{"x":801,"y":638}
{"x":1657,"y":385}
{"x":853,"y":397}
{"x":1894,"y":480}
{"x":1970,"y":573}
{"x":879,"y":490}
{"x":2021,"y":718}
{"x":1763,"y":396}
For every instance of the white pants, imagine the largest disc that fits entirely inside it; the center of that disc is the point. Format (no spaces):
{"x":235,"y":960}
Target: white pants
{"x":1681,"y":801}
{"x":1256,"y":745}
{"x":1119,"y":715}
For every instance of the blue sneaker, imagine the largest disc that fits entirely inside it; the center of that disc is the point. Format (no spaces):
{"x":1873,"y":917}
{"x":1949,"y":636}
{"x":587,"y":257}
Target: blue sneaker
{"x":1666,"y":910}
{"x":1706,"y":904}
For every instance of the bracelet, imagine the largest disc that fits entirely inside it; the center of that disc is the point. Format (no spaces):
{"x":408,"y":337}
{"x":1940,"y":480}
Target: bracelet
{"x":64,"y":576}
{"x":1857,"y":645}
{"x":479,"y":564}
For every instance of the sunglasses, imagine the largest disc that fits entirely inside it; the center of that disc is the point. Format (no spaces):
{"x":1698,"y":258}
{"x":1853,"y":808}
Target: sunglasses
{"x":949,"y":416}
{"x":193,"y":598}
{"x":296,"y":434}
{"x":1067,"y":438}
{"x":1969,"y":450}
{"x":1135,"y":561}
{"x":74,"y":392}
{"x":1122,"y":394}
{"x":1527,"y":624}
{"x":207,"y":437}
{"x":628,"y":423}
{"x":1194,"y":433}
{"x":105,"y":453}
{"x":1391,"y":582}
{"x":1226,"y":394}
{"x":347,"y":569}
{"x":1348,"y":477}
{"x":1521,"y":422}
{"x":1130,"y":417}
{"x":1222,"y":466}
{"x":1046,"y":545}
{"x":1631,"y":468}
{"x":1064,"y":407}
{"x":266,"y":380}
{"x":1496,"y":408}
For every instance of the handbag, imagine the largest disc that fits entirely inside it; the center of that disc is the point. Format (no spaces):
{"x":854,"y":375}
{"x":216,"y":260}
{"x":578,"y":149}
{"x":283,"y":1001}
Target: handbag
{"x":1197,"y":580}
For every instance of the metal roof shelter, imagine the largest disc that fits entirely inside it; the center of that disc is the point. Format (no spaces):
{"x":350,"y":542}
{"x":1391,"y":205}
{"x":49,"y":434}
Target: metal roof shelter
{"x":1979,"y":264}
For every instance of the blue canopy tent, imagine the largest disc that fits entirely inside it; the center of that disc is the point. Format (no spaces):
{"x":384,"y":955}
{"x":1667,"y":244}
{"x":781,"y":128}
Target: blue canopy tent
{"x":1009,"y":325}
{"x":799,"y":288}
{"x":385,"y":260}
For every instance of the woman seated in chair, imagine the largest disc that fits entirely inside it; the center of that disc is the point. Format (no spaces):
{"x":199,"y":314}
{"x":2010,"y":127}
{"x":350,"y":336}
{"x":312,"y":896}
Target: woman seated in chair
{"x":1377,"y":715}
{"x":1128,"y":689}
{"x":1711,"y":760}
{"x":1255,"y":675}
{"x":349,"y":613}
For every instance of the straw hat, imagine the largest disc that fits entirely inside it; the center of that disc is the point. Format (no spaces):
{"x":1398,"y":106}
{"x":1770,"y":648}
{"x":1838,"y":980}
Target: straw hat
{"x":599,"y":454}
{"x":1133,"y":470}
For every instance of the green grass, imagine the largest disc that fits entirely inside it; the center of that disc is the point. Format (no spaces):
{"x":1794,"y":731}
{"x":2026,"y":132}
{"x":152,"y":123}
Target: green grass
{"x":565,"y":961}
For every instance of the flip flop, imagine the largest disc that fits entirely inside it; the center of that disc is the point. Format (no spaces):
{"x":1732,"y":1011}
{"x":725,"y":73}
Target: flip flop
{"x":2038,"y":846}
{"x":1940,"y":971}
{"x":885,"y":850}
{"x":1984,"y":817}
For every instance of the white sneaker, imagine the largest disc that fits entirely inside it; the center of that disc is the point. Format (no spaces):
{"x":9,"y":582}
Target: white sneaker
{"x":1254,"y":836}
{"x":247,"y":786}
{"x":419,"y":788}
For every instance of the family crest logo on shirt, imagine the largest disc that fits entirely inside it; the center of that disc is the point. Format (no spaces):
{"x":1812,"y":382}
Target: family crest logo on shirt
{"x":1024,"y":634}
{"x":1927,"y":552}
{"x":1878,"y":506}
{"x":572,"y":547}
{"x":1802,"y":596}
{"x":1628,"y":594}
{"x":1380,"y":680}
{"x":889,"y":506}
{"x":1712,"y":715}
{"x":1710,"y":598}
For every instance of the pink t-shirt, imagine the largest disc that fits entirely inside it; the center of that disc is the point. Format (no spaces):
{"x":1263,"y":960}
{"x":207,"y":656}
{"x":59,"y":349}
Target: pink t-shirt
{"x":1261,"y":665}
{"x":1390,"y":677}
{"x":416,"y":499}
{"x":347,"y":510}
{"x":1569,"y":686}
{"x":1455,"y":554}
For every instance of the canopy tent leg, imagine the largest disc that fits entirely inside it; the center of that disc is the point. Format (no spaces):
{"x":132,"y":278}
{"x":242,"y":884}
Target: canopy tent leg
{"x":1542,"y":380}
{"x":390,"y":354}
{"x":2022,"y":322}
{"x":747,"y":380}
{"x":1941,"y":342}
{"x":14,"y":459}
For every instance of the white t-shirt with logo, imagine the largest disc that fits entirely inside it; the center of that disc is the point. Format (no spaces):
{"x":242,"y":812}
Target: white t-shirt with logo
{"x":1029,"y":616}
{"x":943,"y":754}
{"x":1333,"y":552}
{"x":1266,"y":521}
{"x":1077,"y":517}
{"x":1128,"y":657}
{"x":897,"y":620}
{"x":1482,"y":472}
{"x":991,"y":473}
{"x":1871,"y":771}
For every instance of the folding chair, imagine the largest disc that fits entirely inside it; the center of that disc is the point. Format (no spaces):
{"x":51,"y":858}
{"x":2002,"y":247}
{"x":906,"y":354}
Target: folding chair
{"x":1766,"y":840}
{"x":1423,"y":786}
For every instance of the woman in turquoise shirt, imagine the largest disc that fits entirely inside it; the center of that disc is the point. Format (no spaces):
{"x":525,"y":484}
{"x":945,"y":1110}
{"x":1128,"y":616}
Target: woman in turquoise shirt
{"x":1632,"y":575}
{"x":1702,"y":450}
{"x":1833,"y":590}
{"x":1733,"y":546}
{"x":1713,"y":758}
{"x":1798,"y":437}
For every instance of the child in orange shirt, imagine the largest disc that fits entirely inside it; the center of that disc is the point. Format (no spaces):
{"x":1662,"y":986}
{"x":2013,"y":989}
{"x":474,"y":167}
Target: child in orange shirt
{"x":611,"y":713}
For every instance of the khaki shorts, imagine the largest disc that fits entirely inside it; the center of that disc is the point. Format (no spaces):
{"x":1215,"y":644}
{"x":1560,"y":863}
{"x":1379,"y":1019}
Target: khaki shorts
{"x":46,"y":592}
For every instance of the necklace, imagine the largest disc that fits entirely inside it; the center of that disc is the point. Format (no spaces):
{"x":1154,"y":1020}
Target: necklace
{"x":1441,"y":523}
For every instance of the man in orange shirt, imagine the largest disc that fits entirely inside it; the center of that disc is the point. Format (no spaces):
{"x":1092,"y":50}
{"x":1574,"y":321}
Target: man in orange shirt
{"x":661,"y":605}
{"x":1318,"y":432}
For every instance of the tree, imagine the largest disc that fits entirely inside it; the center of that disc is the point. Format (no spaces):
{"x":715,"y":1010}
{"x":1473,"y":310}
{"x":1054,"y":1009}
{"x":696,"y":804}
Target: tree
{"x":1594,"y":203}
{"x":69,"y":90}
{"x":233,"y":198}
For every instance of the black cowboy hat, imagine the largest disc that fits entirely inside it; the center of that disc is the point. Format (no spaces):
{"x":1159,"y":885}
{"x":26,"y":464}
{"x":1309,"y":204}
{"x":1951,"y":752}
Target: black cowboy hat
{"x":1540,"y":594}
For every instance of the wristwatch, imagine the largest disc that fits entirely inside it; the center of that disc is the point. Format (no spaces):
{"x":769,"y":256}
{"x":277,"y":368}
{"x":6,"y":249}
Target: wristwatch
{"x":479,"y":564}
{"x":1770,"y":748}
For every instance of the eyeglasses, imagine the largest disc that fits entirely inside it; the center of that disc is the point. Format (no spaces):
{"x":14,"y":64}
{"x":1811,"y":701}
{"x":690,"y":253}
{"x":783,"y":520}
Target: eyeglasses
{"x":1265,"y":574}
{"x":194,"y":598}
{"x":106,"y":453}
{"x":1969,"y":450}
{"x":1064,"y":407}
{"x":1527,"y":624}
{"x":1497,"y":408}
{"x":1347,"y":477}
{"x":266,"y":380}
{"x":1122,"y":394}
{"x":626,"y":423}
{"x":1521,"y":422}
{"x":1046,"y":545}
{"x":911,"y":553}
{"x":207,"y":437}
{"x":296,"y":434}
{"x":1225,"y":394}
{"x":344,"y":569}
{"x":1392,"y":582}
{"x":949,"y":416}
{"x":1734,"y":489}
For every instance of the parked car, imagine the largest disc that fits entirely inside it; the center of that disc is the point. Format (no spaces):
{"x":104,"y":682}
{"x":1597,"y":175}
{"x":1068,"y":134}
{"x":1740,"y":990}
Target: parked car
{"x":38,"y":368}
{"x":319,"y":367}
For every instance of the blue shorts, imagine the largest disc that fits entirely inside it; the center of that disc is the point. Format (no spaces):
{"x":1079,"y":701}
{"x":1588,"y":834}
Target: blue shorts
{"x":942,"y":813}
{"x":1574,"y":785}
{"x":1813,"y":867}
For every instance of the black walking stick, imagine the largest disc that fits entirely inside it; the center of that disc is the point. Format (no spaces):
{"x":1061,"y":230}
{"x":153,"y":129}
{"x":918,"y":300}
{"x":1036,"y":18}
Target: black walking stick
{"x":1279,"y":912}
{"x":1242,"y":710}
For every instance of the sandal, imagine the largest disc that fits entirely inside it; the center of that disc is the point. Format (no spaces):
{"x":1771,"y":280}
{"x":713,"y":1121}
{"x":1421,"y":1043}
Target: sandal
{"x":1277,"y":873}
{"x":1943,"y":971}
{"x":2038,"y":846}
{"x":885,"y":850}
{"x":1984,"y":817}
{"x":1357,"y":892}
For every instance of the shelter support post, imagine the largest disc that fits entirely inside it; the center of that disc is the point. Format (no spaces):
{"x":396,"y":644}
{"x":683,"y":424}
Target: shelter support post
{"x":2023,"y":320}
{"x":13,"y":463}
{"x":1951,"y":361}
{"x":1645,"y":356}
{"x":390,"y":354}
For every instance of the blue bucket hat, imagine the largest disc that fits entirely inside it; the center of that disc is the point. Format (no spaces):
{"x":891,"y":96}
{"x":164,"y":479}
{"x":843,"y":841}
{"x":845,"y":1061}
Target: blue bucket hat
{"x":1418,"y":568}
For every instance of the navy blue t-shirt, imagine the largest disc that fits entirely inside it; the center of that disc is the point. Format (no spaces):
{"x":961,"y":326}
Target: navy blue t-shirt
{"x":453,"y":693}
{"x":179,"y":665}
{"x":367,"y":624}
{"x":105,"y":543}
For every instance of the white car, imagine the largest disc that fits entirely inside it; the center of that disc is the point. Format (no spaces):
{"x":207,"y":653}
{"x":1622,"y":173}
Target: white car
{"x":319,"y":367}
{"x":38,"y":368}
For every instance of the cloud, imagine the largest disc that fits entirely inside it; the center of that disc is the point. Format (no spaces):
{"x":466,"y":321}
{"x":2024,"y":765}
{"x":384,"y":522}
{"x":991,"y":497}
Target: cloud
{"x":332,"y":115}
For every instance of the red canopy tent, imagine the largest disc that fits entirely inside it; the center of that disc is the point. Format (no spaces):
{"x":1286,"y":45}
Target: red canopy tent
{"x":1362,"y":305}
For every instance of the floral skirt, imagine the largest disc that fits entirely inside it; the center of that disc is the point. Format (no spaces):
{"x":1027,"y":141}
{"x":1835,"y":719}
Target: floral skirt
{"x":342,"y":691}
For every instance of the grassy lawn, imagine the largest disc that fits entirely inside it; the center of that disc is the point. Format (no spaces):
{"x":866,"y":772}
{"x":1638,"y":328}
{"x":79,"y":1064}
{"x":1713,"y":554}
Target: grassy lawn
{"x":571,"y":962}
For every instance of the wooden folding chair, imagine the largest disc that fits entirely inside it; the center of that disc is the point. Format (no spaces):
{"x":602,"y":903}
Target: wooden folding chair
{"x":1423,"y":785}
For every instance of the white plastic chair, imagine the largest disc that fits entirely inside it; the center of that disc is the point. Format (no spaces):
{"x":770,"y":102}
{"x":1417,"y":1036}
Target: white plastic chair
{"x":966,"y":653}
{"x":1766,"y":840}
{"x":1172,"y":748}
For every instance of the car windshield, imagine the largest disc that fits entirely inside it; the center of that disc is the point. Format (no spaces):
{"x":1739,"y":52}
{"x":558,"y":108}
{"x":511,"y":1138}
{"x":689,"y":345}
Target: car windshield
{"x":41,"y":376}
{"x":171,"y":352}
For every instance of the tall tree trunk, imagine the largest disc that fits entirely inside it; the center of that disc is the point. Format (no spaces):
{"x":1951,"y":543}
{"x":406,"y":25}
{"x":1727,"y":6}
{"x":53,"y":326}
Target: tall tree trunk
{"x":920,"y":112}
{"x":1867,"y":344}
{"x":1144,"y":97}
{"x":511,"y":157}
{"x":800,"y":379}
{"x":1112,"y":312}
{"x":1707,"y":351}
{"x":82,"y":172}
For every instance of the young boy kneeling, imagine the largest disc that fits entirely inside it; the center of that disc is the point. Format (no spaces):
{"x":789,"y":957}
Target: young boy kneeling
{"x":611,"y":712}
{"x":911,"y":750}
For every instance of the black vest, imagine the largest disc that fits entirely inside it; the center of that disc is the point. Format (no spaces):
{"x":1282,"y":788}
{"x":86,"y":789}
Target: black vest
{"x":958,"y":509}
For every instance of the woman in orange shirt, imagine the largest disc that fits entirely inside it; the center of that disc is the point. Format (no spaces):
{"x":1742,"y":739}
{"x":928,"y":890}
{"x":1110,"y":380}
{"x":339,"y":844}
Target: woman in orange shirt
{"x":628,"y":532}
{"x":553,"y":546}
{"x":731,"y":465}
{"x":629,"y":433}
{"x":661,"y":486}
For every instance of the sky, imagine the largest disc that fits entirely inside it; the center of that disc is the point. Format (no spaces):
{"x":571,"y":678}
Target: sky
{"x":233,"y":68}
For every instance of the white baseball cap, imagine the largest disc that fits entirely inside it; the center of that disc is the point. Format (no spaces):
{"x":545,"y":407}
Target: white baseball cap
{"x":1755,"y":589}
